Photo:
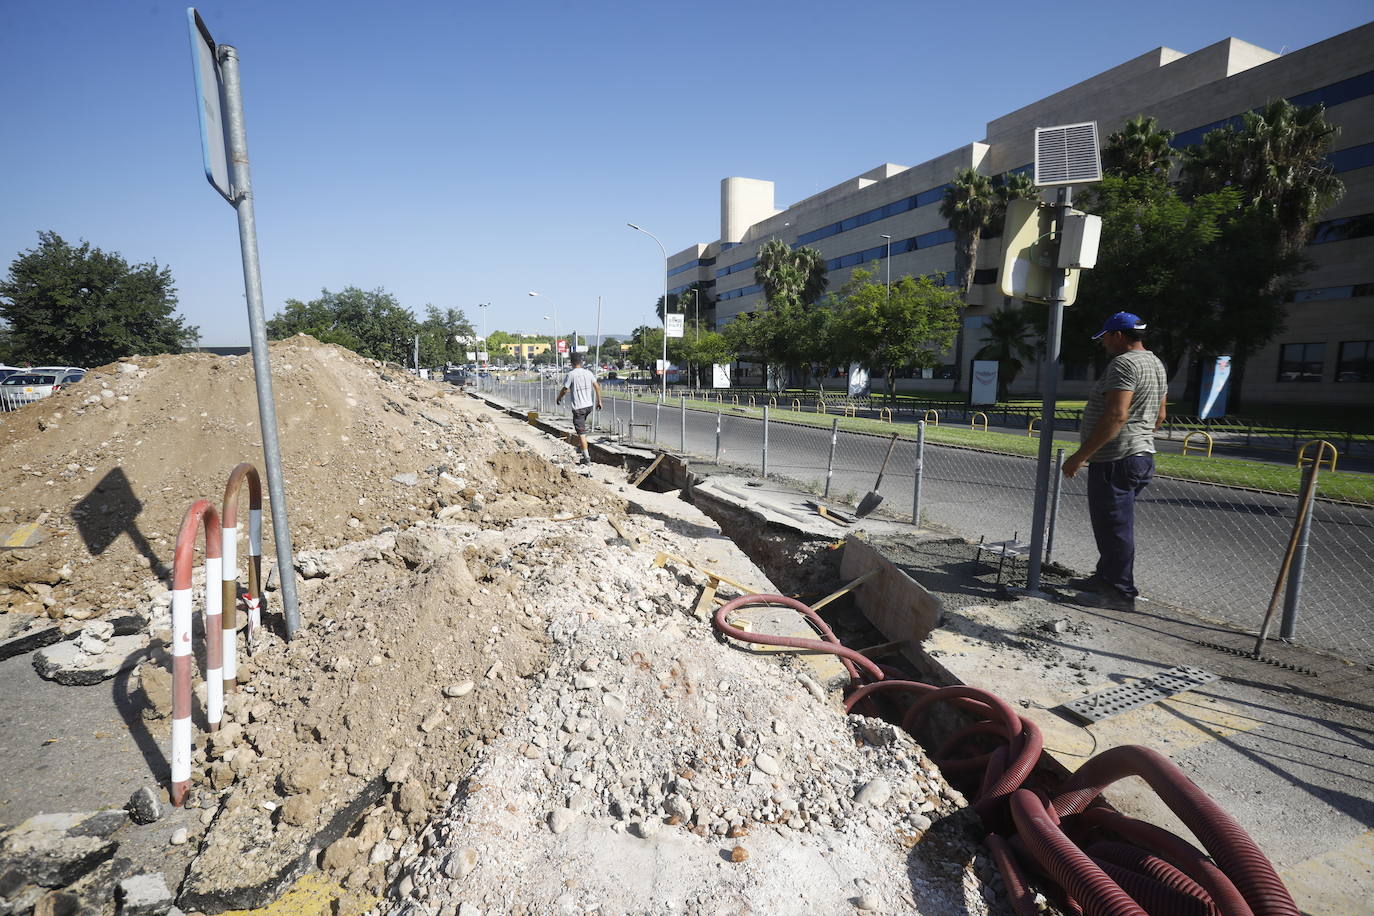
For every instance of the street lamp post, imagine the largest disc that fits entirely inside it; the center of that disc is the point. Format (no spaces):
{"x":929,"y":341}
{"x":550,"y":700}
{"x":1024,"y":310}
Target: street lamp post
{"x":557,"y":361}
{"x":663,"y":385}
{"x":484,"y":306}
{"x":888,"y":259}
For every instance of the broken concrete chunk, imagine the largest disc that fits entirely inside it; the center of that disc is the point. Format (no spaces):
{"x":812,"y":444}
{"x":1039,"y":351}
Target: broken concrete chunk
{"x":144,"y":807}
{"x":46,"y":853}
{"x":144,"y":895}
{"x":66,"y":663}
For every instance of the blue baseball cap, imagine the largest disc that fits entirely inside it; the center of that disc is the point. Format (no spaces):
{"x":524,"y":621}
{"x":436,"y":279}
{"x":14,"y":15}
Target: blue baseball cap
{"x":1121,"y":321}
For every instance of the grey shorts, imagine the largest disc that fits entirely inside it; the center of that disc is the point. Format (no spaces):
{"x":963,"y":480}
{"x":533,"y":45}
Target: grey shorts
{"x":579,"y":415}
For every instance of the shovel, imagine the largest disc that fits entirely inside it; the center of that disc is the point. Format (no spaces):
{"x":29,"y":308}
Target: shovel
{"x":871,"y":501}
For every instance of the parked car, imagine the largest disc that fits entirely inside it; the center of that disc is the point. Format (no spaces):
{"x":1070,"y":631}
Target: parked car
{"x":7,"y":371}
{"x":25,"y":387}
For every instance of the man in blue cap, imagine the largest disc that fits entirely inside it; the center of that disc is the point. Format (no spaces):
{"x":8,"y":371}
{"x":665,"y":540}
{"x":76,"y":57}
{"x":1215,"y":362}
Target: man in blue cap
{"x":1125,"y":407}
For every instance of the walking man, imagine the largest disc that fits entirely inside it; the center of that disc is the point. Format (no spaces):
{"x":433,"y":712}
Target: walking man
{"x":1125,"y":407}
{"x":585,"y":392}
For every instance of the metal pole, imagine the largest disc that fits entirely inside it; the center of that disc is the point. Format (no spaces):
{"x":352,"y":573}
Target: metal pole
{"x":257,"y":326}
{"x":765,"y":440}
{"x":663,"y":384}
{"x":598,"y":332}
{"x":920,"y":472}
{"x":632,"y":414}
{"x":888,"y":261}
{"x":682,"y":415}
{"x":719,"y":411}
{"x":417,"y":354}
{"x":1043,"y":467}
{"x":1054,"y":502}
{"x":830,"y":462}
{"x":1292,"y":599}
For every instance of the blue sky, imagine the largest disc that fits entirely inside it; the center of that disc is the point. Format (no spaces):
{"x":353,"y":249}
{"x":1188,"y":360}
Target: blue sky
{"x":457,"y":153}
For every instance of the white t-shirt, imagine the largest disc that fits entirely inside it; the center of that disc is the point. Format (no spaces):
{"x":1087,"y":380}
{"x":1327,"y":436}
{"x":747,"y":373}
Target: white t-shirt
{"x":580,"y":391}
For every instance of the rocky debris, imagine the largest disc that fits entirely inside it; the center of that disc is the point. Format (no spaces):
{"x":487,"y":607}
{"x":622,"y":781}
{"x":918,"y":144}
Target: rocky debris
{"x":144,"y":806}
{"x":144,"y":895}
{"x":52,"y":851}
{"x":88,"y":659}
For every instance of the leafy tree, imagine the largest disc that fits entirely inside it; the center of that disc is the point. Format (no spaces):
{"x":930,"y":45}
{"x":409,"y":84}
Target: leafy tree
{"x":1140,"y":149}
{"x":968,"y":205}
{"x":691,"y":301}
{"x":910,"y":328}
{"x":646,"y":346}
{"x":81,"y":306}
{"x":371,"y":323}
{"x":1009,"y":332}
{"x":1277,"y":159}
{"x":795,"y":276}
{"x":1013,"y":186}
{"x":439,"y":334}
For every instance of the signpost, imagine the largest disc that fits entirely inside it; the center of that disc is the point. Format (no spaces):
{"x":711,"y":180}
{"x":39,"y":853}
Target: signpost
{"x":224,"y":146}
{"x":983,"y":389}
{"x":674,"y":324}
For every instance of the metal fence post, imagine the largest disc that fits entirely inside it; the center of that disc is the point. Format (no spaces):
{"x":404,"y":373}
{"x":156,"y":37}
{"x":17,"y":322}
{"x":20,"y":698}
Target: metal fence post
{"x":765,"y":440}
{"x":719,"y":411}
{"x":1292,"y":599}
{"x":920,"y":472}
{"x":830,"y":462}
{"x":632,"y":416}
{"x":682,"y":416}
{"x":1055,"y":486}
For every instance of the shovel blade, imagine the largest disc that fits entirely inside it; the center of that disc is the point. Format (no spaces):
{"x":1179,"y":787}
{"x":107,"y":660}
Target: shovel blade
{"x":868,"y":504}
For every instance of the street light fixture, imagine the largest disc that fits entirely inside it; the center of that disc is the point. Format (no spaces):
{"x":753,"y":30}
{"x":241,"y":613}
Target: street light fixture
{"x":888,"y":259}
{"x":663,"y":385}
{"x":484,"y":306}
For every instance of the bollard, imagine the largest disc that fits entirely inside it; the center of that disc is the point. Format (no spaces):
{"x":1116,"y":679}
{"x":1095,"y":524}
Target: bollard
{"x":682,"y":416}
{"x":1292,"y":598}
{"x":830,"y":463}
{"x":200,"y":513}
{"x":719,"y":411}
{"x":920,"y":472}
{"x":243,"y":472}
{"x":765,"y":441}
{"x":1058,"y":481}
{"x":632,"y":418}
{"x":658,"y":410}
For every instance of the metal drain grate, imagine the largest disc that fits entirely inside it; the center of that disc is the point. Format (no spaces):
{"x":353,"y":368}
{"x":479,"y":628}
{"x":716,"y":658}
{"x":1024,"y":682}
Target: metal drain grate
{"x":1106,"y":703}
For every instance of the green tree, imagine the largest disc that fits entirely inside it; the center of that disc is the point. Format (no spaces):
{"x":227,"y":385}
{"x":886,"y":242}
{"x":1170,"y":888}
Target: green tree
{"x":1140,"y":149}
{"x":795,"y":276}
{"x":910,"y":328}
{"x":371,"y":323}
{"x":646,"y":346}
{"x":1277,"y":159}
{"x":81,"y":306}
{"x":968,"y":206}
{"x":439,"y":333}
{"x":1010,"y":334}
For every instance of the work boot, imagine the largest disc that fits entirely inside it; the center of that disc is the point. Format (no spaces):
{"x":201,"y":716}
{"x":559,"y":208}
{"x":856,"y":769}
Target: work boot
{"x":1107,"y":598}
{"x":585,"y":459}
{"x":1086,"y":583}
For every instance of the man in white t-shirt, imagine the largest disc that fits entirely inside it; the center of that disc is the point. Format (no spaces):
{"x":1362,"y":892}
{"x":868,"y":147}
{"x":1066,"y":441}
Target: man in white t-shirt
{"x":585,"y":393}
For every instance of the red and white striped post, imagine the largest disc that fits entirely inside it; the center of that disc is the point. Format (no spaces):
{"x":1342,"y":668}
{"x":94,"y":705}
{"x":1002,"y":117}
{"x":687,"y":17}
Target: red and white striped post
{"x":252,"y":600}
{"x":200,"y":512}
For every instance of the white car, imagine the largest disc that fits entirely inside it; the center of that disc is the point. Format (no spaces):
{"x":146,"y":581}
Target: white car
{"x":29,"y":385}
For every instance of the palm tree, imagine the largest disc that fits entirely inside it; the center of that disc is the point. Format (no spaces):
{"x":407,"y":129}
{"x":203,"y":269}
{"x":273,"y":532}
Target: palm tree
{"x":790,"y":275}
{"x":1277,"y":157}
{"x":1140,"y":148}
{"x":1009,"y":335}
{"x":968,"y":205}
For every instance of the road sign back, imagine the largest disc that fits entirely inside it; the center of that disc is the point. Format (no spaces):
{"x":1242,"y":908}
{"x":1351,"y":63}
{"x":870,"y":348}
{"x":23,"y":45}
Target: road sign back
{"x":214,"y":144}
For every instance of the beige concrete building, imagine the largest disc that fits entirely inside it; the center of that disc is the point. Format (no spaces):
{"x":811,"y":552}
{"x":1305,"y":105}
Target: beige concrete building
{"x":1326,"y":353}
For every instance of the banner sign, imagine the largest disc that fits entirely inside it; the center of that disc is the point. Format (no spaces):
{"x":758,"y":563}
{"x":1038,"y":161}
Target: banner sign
{"x":482,"y":356}
{"x":562,"y":346}
{"x":858,"y":381}
{"x":983,"y":389}
{"x":1216,"y":386}
{"x":674,"y":324}
{"x":720,"y":375}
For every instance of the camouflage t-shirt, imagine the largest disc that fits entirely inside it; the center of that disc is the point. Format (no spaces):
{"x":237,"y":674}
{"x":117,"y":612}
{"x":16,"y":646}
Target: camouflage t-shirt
{"x":1140,"y":372}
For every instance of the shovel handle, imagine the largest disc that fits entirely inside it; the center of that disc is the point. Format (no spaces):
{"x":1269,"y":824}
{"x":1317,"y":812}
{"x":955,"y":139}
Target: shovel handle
{"x":883,"y":467}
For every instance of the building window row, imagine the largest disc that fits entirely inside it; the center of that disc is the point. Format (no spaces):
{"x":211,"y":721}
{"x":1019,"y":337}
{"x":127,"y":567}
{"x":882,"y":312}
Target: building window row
{"x":899,"y":246}
{"x":1317,"y":294}
{"x":679,"y":290}
{"x":733,"y":268}
{"x":924,"y":198}
{"x":742,"y":291}
{"x":1356,"y":87}
{"x":692,"y":265}
{"x":1343,"y":229}
{"x":1306,"y":362}
{"x":1352,"y":157}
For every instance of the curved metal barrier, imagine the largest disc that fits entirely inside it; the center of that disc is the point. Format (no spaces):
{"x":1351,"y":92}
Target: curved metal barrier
{"x":1031,"y":426}
{"x":796,"y":404}
{"x":885,"y":414}
{"x":1198,"y":432}
{"x":1322,"y":445}
{"x":201,"y":513}
{"x":241,"y":474}
{"x":932,"y":416}
{"x":973,"y":420}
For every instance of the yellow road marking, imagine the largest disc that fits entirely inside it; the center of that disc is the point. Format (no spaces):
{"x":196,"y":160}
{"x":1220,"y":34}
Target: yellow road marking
{"x":311,"y":895}
{"x":20,"y":535}
{"x":1335,"y":880}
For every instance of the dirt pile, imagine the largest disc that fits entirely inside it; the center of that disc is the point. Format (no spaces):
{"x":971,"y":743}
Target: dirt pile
{"x":112,"y":463}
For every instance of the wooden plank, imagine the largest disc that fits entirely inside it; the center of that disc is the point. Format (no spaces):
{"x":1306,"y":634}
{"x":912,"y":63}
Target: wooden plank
{"x":840,"y":593}
{"x":649,"y":470}
{"x":715,"y":576}
{"x":708,"y":597}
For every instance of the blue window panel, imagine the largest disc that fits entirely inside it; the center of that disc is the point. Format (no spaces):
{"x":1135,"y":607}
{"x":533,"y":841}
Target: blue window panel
{"x":931,"y":239}
{"x":873,"y":254}
{"x":726,"y":246}
{"x":807,"y":238}
{"x":1324,"y":293}
{"x":738,"y":293}
{"x":902,"y":246}
{"x":1347,"y":90}
{"x":850,"y":223}
{"x":1344,"y":229}
{"x":931,"y":196}
{"x":1352,"y":157}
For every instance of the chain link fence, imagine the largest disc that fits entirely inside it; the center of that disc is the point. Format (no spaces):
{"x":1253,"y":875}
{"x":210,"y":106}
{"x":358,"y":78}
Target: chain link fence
{"x":1212,"y":546}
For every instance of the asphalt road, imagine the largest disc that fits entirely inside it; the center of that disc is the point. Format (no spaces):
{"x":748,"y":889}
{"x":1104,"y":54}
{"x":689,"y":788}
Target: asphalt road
{"x":1214,"y":550}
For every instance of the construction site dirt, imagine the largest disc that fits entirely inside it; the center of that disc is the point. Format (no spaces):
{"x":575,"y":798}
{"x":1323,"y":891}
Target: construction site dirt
{"x":507,"y":695}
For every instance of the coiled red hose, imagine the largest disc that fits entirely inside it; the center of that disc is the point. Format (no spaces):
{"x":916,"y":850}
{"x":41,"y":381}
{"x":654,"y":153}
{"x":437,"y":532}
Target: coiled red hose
{"x":1167,"y":875}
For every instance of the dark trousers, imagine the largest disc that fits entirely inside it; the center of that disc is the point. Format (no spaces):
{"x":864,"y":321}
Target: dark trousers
{"x":1112,"y":489}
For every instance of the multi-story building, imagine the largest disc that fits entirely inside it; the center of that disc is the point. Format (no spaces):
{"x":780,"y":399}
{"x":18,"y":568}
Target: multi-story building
{"x":1326,"y":353}
{"x":526,"y":351}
